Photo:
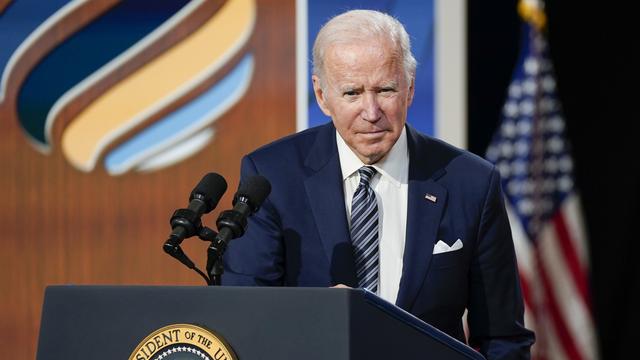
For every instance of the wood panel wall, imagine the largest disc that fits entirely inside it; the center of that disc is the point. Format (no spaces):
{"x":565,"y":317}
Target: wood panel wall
{"x":63,"y":226}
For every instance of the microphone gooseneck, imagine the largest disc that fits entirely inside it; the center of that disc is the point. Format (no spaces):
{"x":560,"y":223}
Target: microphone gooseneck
{"x":232,"y":223}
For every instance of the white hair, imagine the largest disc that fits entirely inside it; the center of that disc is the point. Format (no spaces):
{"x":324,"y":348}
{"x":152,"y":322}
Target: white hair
{"x":356,"y":26}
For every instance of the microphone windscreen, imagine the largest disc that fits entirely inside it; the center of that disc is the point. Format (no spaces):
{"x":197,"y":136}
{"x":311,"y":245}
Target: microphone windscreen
{"x":256,"y":189}
{"x":211,"y":188}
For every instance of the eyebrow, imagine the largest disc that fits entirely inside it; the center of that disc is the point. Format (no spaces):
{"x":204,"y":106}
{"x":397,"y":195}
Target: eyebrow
{"x":344,"y":88}
{"x":390,"y":84}
{"x":348,"y":87}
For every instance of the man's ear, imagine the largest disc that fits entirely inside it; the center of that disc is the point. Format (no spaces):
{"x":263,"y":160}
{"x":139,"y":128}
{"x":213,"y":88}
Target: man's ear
{"x":320,"y":95}
{"x":412,"y":89}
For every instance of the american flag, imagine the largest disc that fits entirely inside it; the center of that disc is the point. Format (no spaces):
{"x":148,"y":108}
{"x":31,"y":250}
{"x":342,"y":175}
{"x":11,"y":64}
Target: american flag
{"x":532,"y":154}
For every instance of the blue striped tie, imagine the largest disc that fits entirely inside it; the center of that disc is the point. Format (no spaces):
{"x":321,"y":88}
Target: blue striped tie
{"x":364,"y":230}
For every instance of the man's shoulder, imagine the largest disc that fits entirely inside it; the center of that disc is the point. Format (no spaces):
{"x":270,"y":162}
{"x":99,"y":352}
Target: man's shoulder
{"x":448,"y":155}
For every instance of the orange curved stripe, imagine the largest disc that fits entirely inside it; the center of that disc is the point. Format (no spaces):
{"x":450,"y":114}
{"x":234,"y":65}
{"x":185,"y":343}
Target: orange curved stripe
{"x":158,"y":83}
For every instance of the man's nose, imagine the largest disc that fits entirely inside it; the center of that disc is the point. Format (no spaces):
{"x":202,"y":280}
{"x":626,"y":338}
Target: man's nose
{"x":370,"y":107}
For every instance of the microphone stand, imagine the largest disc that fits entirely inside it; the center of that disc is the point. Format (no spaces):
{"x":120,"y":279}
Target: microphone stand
{"x":215,"y":268}
{"x":215,"y":251}
{"x":231,"y":223}
{"x":172,"y":247}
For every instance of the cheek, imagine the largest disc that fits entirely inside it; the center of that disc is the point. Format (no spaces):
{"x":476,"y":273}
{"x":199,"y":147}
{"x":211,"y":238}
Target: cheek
{"x":394,"y":120}
{"x":394,"y":108}
{"x":345,"y":117}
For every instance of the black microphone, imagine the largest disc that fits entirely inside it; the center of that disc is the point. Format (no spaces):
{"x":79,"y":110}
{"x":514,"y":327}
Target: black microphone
{"x":186,"y":222}
{"x":233,"y":223}
{"x":247,"y":200}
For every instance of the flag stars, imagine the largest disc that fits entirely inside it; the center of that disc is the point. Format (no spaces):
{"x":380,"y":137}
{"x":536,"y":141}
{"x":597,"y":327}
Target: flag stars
{"x":546,"y":205}
{"x":554,"y":124}
{"x":531,"y":66}
{"x":529,"y":150}
{"x":524,"y":127}
{"x":525,"y":206}
{"x":520,"y":187}
{"x":555,"y":144}
{"x":506,"y":149}
{"x":565,"y":183}
{"x":527,"y":186}
{"x":508,"y":129}
{"x":511,"y":109}
{"x":565,"y":164}
{"x":549,"y":186}
{"x":536,"y":169}
{"x":519,"y":167}
{"x":504,"y":169}
{"x":547,"y":104}
{"x":551,"y":165}
{"x":513,"y":187}
{"x":548,"y":84}
{"x":515,"y":90}
{"x":493,"y":153}
{"x":529,"y":86}
{"x":522,"y":147}
{"x":526,"y":107}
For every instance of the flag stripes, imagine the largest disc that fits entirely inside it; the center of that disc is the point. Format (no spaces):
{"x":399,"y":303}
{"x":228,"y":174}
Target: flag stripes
{"x":531,"y":152}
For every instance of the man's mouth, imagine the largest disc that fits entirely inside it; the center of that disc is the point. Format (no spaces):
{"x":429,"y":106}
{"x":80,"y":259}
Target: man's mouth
{"x":372,"y":132}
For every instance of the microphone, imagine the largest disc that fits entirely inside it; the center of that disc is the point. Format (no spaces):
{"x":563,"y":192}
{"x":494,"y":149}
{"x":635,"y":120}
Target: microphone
{"x":186,"y":222}
{"x":247,"y":200}
{"x":233,"y":223}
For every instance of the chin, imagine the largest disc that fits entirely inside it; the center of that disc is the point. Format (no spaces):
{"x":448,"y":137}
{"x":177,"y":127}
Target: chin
{"x":373,"y":155}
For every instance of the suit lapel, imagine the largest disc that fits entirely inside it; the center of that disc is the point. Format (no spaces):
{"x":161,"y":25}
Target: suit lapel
{"x":325,"y":191}
{"x":423,"y":217}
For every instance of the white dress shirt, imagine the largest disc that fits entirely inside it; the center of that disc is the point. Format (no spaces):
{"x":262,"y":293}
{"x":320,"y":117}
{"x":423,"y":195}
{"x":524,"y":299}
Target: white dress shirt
{"x":390,"y":184}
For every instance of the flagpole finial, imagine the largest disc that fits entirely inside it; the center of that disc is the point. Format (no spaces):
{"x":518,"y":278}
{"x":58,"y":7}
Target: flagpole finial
{"x":532,"y":11}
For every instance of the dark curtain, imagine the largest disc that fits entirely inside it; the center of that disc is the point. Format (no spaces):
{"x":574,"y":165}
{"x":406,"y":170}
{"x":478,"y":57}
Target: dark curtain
{"x":592,"y":47}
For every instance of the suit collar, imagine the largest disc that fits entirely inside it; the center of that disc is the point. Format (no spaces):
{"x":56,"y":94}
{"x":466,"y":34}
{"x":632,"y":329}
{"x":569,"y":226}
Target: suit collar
{"x":423,"y":215}
{"x":325,"y":191}
{"x":324,"y":148}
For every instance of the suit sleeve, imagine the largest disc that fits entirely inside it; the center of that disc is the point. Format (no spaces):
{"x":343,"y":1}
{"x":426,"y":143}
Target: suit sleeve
{"x":496,"y":308}
{"x":256,"y":258}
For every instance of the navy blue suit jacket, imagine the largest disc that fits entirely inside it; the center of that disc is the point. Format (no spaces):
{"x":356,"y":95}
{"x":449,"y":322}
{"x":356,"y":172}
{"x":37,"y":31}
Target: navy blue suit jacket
{"x":300,"y":236}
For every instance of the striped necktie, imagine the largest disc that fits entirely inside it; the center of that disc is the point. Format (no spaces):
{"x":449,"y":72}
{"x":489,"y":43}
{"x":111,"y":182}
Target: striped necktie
{"x":364,"y":231}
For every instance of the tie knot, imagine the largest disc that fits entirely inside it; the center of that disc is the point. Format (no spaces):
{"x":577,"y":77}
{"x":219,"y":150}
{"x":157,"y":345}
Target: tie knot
{"x":366,"y":173}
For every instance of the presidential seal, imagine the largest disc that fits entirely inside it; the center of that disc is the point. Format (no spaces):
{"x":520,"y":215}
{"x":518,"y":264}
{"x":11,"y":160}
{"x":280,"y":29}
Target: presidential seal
{"x":183,"y":342}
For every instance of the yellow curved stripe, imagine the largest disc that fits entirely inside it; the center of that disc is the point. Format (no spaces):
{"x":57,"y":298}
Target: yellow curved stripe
{"x":158,"y":83}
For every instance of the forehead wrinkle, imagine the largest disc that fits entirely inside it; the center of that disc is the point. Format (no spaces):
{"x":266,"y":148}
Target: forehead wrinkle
{"x":346,"y":70}
{"x":351,"y":55}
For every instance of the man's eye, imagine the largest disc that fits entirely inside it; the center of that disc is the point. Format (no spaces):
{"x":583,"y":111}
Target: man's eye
{"x":387,"y":90}
{"x":350,"y":93}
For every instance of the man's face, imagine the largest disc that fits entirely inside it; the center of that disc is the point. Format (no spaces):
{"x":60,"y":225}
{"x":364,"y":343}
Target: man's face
{"x":366,"y":93}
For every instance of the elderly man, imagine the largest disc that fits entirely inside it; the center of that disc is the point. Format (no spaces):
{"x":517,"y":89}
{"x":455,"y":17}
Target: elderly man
{"x":367,"y":201}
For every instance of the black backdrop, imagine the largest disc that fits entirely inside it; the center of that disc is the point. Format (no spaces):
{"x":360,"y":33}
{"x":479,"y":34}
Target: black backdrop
{"x":592,"y":50}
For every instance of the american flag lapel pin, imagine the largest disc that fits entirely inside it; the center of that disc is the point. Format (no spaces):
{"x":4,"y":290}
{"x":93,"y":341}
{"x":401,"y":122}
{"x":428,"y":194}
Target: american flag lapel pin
{"x":430,"y":197}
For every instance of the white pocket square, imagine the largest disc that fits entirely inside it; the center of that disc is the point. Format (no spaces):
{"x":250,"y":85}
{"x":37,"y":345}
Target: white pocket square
{"x":442,"y":247}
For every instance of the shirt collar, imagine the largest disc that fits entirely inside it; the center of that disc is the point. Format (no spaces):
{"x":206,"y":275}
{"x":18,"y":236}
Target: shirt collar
{"x":394,"y":166}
